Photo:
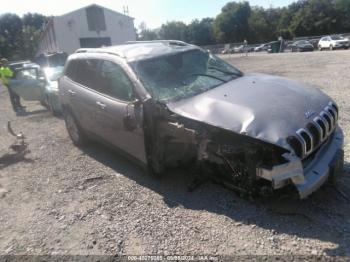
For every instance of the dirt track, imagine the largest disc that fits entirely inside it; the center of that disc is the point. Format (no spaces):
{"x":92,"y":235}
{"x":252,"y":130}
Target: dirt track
{"x":71,"y":201}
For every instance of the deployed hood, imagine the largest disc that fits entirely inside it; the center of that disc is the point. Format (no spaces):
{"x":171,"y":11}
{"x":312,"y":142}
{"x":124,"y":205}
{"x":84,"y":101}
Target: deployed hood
{"x":265,"y":107}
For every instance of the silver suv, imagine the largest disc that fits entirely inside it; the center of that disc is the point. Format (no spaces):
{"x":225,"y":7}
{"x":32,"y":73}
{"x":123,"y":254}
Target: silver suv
{"x":168,"y":104}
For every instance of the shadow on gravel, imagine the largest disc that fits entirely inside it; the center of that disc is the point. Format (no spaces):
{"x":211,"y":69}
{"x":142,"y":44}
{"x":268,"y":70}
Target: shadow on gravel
{"x":30,"y":113}
{"x":323,"y":216}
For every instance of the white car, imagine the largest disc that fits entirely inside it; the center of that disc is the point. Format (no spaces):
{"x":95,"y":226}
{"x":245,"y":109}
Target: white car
{"x":333,"y":42}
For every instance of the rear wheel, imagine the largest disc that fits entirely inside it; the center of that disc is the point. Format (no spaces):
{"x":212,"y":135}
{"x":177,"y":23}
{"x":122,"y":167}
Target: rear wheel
{"x":74,"y":131}
{"x":319,"y":48}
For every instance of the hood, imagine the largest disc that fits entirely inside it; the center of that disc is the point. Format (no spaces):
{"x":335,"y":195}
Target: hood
{"x":265,"y":107}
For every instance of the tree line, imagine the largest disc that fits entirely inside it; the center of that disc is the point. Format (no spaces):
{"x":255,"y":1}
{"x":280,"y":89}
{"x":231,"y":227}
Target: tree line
{"x":19,"y":36}
{"x":239,"y":20}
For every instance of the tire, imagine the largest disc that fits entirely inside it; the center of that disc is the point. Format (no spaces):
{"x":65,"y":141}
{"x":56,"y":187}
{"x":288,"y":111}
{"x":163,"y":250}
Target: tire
{"x":75,"y":132}
{"x":50,"y":107}
{"x":320,"y":48}
{"x":331,"y":48}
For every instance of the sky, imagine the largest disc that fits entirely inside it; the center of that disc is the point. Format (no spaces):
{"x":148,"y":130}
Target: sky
{"x":153,"y":12}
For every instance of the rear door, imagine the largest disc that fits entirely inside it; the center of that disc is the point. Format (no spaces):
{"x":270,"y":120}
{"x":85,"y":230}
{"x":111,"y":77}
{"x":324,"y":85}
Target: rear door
{"x":77,"y":89}
{"x":118,"y":117}
{"x":29,"y":84}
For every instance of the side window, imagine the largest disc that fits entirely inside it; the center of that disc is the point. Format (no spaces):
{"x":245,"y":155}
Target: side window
{"x":27,"y":74}
{"x":87,"y":73}
{"x":114,"y":81}
{"x":71,"y":70}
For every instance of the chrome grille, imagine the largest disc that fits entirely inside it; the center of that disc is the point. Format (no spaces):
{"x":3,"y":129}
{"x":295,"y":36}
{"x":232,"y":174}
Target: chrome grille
{"x":316,"y":131}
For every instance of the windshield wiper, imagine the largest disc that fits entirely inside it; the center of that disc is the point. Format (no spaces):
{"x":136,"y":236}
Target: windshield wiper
{"x":225,"y":72}
{"x":222,"y":80}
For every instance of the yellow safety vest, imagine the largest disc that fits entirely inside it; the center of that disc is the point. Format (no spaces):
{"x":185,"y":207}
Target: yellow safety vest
{"x":5,"y":73}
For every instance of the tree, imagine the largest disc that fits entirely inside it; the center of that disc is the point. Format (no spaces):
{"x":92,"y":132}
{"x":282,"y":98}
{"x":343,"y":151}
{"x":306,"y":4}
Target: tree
{"x":201,"y":32}
{"x":35,"y":20}
{"x":174,"y":31}
{"x":316,"y":17}
{"x":259,"y":26}
{"x":231,"y":25}
{"x":146,"y":34}
{"x":19,"y":37}
{"x":10,"y":36}
{"x":342,"y":9}
{"x":30,"y":38}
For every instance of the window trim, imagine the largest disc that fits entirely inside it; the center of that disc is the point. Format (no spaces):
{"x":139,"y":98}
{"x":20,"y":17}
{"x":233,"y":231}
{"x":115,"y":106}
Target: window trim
{"x":102,"y":94}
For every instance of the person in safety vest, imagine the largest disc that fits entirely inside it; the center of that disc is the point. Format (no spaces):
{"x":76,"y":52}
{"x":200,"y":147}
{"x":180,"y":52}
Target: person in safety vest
{"x":5,"y":74}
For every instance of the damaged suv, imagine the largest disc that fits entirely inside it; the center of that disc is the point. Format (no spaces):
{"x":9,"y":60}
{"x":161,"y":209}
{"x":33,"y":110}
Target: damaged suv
{"x":168,"y":103}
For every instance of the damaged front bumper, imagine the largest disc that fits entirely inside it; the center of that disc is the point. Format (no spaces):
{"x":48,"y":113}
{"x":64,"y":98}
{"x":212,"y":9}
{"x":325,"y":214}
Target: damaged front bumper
{"x":308,"y":175}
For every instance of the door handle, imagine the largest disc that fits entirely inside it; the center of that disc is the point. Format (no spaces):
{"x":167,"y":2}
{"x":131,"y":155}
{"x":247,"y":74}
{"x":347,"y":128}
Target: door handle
{"x":101,"y":105}
{"x":71,"y":92}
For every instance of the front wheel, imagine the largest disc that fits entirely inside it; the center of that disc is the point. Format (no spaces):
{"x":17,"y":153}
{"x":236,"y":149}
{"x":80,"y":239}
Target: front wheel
{"x":331,"y":48}
{"x":76,"y":134}
{"x":50,"y":106}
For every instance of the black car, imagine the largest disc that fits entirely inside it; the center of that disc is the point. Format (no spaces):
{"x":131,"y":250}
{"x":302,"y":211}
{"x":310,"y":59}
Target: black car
{"x":301,"y":46}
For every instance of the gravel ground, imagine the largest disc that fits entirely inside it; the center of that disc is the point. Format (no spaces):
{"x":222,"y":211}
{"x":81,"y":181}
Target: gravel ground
{"x":65,"y":200}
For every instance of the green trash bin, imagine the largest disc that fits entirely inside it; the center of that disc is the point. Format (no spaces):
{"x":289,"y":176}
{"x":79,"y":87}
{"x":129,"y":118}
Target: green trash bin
{"x":275,"y":46}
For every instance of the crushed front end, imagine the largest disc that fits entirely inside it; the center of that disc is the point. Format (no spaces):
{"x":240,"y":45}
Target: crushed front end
{"x":243,"y":163}
{"x":317,"y":155}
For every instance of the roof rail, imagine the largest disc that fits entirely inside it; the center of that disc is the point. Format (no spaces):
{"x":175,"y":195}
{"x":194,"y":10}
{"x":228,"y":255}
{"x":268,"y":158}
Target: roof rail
{"x":169,"y":42}
{"x":106,"y":50}
{"x":83,"y":50}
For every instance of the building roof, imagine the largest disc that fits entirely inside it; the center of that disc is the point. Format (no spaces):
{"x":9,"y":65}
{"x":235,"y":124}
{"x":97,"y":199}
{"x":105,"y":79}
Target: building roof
{"x":100,"y":7}
{"x":142,"y":50}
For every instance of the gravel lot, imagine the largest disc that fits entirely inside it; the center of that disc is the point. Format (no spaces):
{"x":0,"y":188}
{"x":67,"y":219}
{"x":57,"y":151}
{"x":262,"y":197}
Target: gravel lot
{"x":71,"y":201}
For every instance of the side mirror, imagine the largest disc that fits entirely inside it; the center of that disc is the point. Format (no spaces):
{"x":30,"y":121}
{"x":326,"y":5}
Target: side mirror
{"x":137,"y":102}
{"x":130,"y":119}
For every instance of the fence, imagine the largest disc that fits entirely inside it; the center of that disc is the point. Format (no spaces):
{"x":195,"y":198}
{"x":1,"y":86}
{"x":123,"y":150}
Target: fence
{"x":219,"y":48}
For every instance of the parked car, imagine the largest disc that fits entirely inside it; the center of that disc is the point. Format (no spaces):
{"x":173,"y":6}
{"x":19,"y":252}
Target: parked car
{"x":54,"y":59}
{"x":51,"y":89}
{"x":238,"y":49}
{"x":169,"y":105}
{"x":226,"y":51}
{"x":333,"y":42}
{"x":301,"y":46}
{"x":33,"y":83}
{"x":262,"y":47}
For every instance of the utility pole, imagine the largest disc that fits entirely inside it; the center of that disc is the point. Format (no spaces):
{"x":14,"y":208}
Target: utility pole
{"x":125,"y":10}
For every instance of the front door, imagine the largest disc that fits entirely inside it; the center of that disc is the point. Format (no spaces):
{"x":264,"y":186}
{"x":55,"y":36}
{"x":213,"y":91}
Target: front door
{"x":118,"y":117}
{"x":28,"y":84}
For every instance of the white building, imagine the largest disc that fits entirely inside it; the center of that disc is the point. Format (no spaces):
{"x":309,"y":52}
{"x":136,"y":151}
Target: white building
{"x":91,"y":26}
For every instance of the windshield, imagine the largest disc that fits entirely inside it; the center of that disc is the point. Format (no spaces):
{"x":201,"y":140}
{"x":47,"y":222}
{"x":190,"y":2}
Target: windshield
{"x":53,"y":73}
{"x":303,"y":42}
{"x":337,"y":37}
{"x":183,"y":75}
